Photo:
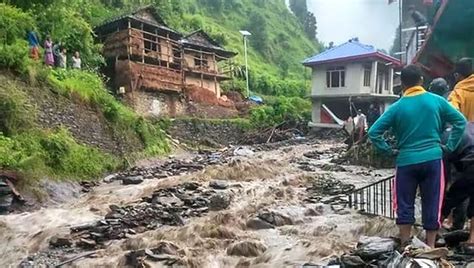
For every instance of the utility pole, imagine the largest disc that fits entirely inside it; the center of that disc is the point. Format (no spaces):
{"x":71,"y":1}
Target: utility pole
{"x":245,"y":34}
{"x":400,"y":18}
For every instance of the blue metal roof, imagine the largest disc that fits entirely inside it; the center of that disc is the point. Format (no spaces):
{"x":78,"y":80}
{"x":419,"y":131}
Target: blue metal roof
{"x":350,"y":49}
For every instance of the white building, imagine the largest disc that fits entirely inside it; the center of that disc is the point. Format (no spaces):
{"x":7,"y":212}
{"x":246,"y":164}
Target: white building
{"x":349,"y":77}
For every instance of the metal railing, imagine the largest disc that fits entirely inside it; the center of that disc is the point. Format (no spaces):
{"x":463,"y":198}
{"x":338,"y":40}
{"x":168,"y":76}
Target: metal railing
{"x":374,"y":199}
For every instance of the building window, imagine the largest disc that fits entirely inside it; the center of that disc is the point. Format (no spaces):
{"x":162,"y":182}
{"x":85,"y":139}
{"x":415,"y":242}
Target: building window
{"x":151,"y":43}
{"x":201,"y":63}
{"x":336,"y":77}
{"x":367,"y":74}
{"x":382,"y":82}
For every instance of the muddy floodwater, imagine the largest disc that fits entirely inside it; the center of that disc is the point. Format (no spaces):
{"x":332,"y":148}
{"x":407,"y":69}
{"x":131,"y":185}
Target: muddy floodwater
{"x":255,"y":208}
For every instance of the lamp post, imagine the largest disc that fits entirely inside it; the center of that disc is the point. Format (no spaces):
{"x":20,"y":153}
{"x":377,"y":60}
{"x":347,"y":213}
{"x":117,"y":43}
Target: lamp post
{"x":245,"y":34}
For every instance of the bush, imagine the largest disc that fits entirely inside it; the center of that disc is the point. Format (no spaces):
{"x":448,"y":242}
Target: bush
{"x":55,"y":154}
{"x":14,"y":24}
{"x":15,"y":57}
{"x":292,"y":110}
{"x":16,"y":113}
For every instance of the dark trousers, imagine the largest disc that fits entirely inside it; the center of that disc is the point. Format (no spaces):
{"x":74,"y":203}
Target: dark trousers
{"x":460,"y":210}
{"x":429,"y":177}
{"x":461,"y":190}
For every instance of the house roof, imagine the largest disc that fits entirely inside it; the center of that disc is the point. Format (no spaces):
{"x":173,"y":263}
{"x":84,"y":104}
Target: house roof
{"x":200,"y":39}
{"x":140,"y":14}
{"x":349,"y":51}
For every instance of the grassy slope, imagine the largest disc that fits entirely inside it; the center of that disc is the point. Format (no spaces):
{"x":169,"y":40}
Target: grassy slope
{"x":287,"y":40}
{"x":294,"y":46}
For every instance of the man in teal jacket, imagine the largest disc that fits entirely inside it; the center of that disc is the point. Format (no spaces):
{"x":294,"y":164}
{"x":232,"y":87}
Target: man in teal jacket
{"x":417,"y":120}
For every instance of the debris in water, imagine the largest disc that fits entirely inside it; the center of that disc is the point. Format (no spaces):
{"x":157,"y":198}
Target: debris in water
{"x":60,"y":241}
{"x":328,"y":190}
{"x":166,"y":253}
{"x":168,"y":206}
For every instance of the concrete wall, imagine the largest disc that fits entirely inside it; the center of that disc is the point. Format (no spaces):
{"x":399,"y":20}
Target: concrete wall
{"x":210,"y":85}
{"x":157,"y":104}
{"x":353,"y":80}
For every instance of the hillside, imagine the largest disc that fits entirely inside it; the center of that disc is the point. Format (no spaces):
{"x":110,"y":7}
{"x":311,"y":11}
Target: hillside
{"x":277,"y":46}
{"x":65,"y":123}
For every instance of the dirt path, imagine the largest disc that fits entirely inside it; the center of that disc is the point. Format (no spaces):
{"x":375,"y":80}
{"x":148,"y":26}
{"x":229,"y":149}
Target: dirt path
{"x":269,"y":185}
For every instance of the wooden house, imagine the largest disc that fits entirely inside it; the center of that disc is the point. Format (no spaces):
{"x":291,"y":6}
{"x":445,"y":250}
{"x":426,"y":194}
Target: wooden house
{"x":143,"y":60}
{"x":204,"y":62}
{"x":145,"y":63}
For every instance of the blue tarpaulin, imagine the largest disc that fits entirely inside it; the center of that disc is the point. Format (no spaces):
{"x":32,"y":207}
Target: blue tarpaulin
{"x":256,"y":99}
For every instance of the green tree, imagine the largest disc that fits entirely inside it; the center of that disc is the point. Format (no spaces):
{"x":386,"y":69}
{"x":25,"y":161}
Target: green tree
{"x":258,"y":27}
{"x":310,"y":26}
{"x":300,"y":9}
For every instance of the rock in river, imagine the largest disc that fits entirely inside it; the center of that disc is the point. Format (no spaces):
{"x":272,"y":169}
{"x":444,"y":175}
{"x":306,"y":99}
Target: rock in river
{"x":258,"y":224}
{"x":132,"y":180}
{"x":219,"y":201}
{"x":219,"y":185}
{"x":246,"y":249}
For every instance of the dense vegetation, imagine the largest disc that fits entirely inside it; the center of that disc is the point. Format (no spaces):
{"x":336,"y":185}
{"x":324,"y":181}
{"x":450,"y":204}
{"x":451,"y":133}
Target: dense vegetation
{"x":36,"y":152}
{"x":279,"y":41}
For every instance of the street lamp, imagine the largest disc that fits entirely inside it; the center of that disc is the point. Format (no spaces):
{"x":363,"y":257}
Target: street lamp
{"x":245,"y":35}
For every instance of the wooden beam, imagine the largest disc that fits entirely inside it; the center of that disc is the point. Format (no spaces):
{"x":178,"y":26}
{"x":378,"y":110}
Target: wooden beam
{"x":168,"y":48}
{"x":129,"y":34}
{"x":143,"y":50}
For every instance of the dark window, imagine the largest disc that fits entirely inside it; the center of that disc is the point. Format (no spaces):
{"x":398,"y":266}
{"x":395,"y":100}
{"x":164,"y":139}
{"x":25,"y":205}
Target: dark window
{"x":367,"y":74}
{"x":200,"y":62}
{"x":328,"y":79}
{"x":336,"y":77}
{"x":151,"y":43}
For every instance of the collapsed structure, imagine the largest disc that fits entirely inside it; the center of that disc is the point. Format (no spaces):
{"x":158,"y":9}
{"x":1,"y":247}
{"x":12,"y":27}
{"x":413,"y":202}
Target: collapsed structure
{"x":448,"y":38}
{"x":154,"y":66}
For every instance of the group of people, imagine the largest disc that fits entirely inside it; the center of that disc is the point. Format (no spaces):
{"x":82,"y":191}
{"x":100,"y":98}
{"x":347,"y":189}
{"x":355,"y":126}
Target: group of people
{"x":55,"y":54}
{"x":435,"y":133}
{"x":360,"y":123}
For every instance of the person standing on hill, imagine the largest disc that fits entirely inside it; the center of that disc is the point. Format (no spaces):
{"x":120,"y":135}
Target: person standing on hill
{"x":462,"y":97}
{"x":62,"y":58}
{"x":76,"y":61}
{"x":57,"y":53}
{"x":417,"y":120}
{"x":33,"y":42}
{"x":48,"y":52}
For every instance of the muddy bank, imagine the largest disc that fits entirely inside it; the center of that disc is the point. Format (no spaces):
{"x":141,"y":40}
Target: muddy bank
{"x":276,"y":213}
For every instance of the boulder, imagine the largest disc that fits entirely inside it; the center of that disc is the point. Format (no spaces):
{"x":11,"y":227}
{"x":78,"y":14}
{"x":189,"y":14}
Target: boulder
{"x":219,"y":185}
{"x":60,"y":241}
{"x":275,"y":218}
{"x":219,"y":201}
{"x":131,"y":180}
{"x":258,"y":224}
{"x":246,"y":249}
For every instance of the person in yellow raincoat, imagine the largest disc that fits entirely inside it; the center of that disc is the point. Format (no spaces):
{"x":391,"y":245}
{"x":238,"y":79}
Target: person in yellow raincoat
{"x":462,"y":97}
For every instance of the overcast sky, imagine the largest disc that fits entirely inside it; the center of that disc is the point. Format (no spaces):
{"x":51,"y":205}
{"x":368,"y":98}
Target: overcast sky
{"x":373,"y":21}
